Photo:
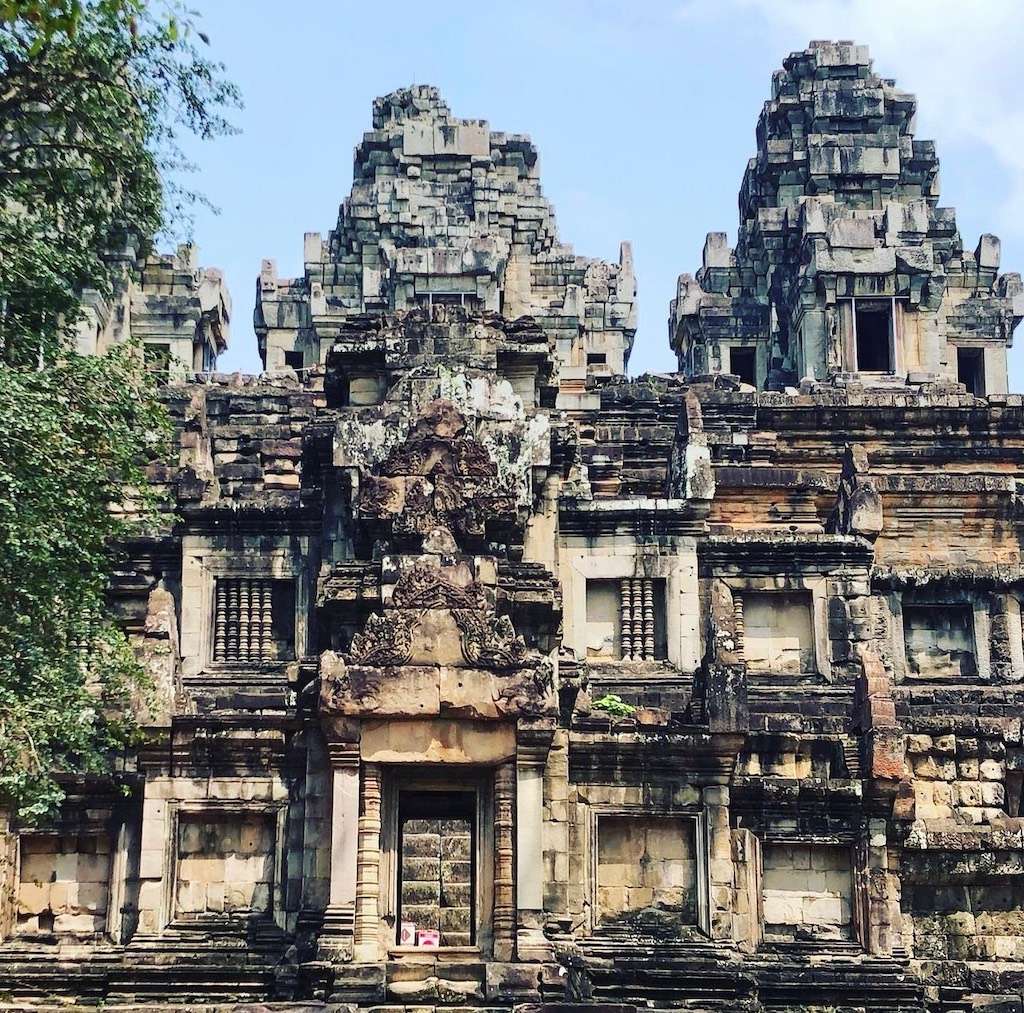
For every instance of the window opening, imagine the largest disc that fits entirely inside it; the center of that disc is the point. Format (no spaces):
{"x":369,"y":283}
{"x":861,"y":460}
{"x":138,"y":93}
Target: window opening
{"x":939,"y":640}
{"x":225,"y":865}
{"x":778,"y":634}
{"x":254,"y":620}
{"x":157,"y":360}
{"x":626,"y":619}
{"x":808,"y":892}
{"x":970,"y":370}
{"x":873,"y":332}
{"x":359,"y":390}
{"x":646,"y":873}
{"x":743,"y":363}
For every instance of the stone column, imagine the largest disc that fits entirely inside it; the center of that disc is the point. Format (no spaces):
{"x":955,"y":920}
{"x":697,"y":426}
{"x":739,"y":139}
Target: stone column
{"x":367,"y":896}
{"x":504,"y":884}
{"x":531,"y":756}
{"x":876,"y":893}
{"x":336,"y":938}
{"x":747,"y":909}
{"x":720,"y":867}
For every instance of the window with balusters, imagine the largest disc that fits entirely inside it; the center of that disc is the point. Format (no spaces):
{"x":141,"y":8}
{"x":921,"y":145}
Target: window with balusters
{"x":626,"y":619}
{"x":254,"y":620}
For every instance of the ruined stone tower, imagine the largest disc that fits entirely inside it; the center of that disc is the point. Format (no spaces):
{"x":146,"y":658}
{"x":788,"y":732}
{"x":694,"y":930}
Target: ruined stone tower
{"x":488,"y":677}
{"x":444,"y":211}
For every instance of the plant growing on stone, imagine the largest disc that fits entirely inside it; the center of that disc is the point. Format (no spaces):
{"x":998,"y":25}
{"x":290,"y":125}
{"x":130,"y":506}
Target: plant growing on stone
{"x":93,"y":97}
{"x":613,"y":704}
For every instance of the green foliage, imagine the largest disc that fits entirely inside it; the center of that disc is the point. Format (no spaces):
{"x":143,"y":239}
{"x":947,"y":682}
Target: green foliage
{"x":90,"y":159}
{"x":93,"y":95}
{"x":72,"y":485}
{"x":613,"y":704}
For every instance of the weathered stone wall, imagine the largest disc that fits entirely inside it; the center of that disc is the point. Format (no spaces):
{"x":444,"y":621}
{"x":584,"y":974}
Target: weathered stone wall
{"x":63,"y":885}
{"x":808,"y":892}
{"x":225,"y":865}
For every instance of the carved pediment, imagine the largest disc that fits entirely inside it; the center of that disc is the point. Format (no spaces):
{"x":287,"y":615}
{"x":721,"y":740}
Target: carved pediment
{"x":438,"y":648}
{"x":425,"y":609}
{"x":440,"y":477}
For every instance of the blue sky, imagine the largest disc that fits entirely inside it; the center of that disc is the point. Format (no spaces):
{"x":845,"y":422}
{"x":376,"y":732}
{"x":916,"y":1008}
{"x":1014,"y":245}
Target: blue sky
{"x":643,"y":113}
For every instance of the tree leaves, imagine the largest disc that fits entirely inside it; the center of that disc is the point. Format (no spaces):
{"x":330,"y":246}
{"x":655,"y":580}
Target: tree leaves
{"x":92,"y":96}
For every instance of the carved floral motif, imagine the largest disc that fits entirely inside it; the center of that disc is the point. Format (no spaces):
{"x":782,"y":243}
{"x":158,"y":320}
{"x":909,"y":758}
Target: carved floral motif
{"x":385,"y":640}
{"x":426,"y":587}
{"x":489,"y":640}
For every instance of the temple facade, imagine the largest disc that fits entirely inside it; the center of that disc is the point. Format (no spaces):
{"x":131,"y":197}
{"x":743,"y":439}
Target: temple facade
{"x":486,"y":676}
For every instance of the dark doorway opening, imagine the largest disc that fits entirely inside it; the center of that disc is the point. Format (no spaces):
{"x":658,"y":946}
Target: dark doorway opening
{"x":970,"y":369}
{"x":743,"y":362}
{"x":873,"y":326}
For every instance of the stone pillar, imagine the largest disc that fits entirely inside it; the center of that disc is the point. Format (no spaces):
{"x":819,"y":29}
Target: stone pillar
{"x":876,"y":893}
{"x":336,"y":938}
{"x":720,"y":867}
{"x":747,"y":908}
{"x":367,"y":897}
{"x":504,"y":884}
{"x":531,"y":756}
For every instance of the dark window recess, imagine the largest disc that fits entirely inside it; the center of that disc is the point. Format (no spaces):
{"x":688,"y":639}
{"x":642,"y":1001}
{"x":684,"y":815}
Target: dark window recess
{"x":437,"y":871}
{"x":939,"y":640}
{"x":743,"y":363}
{"x":254,"y":620}
{"x":1014,"y":783}
{"x":970,"y":369}
{"x":293,"y":359}
{"x":158,"y":360}
{"x":873,"y":323}
{"x":596,"y":358}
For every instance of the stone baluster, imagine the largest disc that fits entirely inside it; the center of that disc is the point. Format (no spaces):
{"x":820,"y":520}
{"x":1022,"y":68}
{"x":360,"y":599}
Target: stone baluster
{"x":626,"y":619}
{"x":267,"y":624}
{"x":638,"y":619}
{"x":367,"y":907}
{"x":739,"y":626}
{"x":648,"y":620}
{"x":231,"y":652}
{"x":220,"y":619}
{"x":244,"y":617}
{"x":256,"y":620}
{"x":504,"y":885}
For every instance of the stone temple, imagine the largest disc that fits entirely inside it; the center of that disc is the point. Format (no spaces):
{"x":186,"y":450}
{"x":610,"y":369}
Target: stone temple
{"x":487,"y":677}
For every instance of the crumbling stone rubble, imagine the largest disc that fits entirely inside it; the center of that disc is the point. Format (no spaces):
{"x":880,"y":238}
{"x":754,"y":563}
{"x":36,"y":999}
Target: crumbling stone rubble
{"x":487,"y":677}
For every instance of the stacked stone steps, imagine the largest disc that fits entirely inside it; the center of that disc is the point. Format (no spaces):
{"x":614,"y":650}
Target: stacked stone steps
{"x":846,"y":980}
{"x":667,"y":975}
{"x":708,"y":977}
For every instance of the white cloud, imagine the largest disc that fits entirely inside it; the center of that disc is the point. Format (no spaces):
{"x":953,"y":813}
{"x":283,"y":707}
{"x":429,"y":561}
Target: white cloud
{"x":960,"y":57}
